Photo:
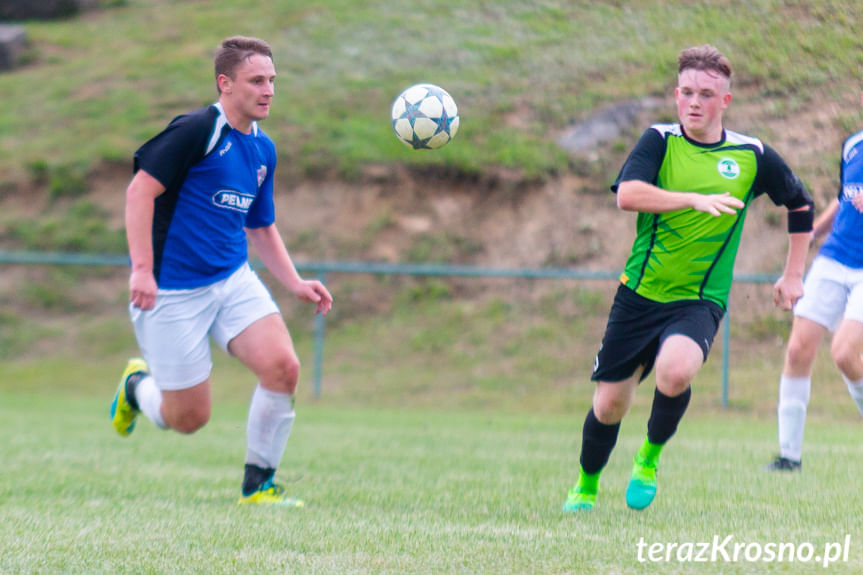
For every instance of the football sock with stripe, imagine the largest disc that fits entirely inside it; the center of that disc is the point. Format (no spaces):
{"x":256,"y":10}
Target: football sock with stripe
{"x":791,"y":414}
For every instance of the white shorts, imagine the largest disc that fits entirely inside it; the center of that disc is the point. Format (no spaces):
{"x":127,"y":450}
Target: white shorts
{"x":832,"y":292}
{"x":174,"y":335}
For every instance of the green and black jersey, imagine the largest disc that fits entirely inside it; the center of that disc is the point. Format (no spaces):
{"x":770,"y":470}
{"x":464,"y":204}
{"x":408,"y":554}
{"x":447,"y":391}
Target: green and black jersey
{"x":686,"y":254}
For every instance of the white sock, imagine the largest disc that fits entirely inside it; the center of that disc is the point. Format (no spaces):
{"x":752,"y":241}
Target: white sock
{"x":271,"y":417}
{"x":150,"y":401}
{"x":793,"y":401}
{"x":855,"y":388}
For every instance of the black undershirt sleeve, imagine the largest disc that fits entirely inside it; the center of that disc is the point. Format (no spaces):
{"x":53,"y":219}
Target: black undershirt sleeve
{"x":170,"y":154}
{"x":781,"y":184}
{"x":644,"y":160}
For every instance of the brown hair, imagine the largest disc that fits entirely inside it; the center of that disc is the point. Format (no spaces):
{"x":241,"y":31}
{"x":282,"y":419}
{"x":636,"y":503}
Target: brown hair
{"x":704,"y":57}
{"x":236,"y":49}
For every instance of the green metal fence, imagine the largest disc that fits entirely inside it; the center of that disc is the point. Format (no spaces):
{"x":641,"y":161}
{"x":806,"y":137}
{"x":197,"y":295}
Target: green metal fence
{"x":321,"y":269}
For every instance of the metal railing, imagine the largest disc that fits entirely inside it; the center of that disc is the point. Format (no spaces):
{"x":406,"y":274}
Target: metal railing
{"x":321,"y":269}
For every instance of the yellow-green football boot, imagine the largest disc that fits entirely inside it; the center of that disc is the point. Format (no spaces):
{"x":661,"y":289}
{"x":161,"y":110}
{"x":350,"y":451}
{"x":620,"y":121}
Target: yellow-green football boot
{"x":270,"y":494}
{"x":123,"y":413}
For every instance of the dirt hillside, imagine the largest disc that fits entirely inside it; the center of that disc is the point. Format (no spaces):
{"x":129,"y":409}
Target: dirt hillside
{"x":395,"y":214}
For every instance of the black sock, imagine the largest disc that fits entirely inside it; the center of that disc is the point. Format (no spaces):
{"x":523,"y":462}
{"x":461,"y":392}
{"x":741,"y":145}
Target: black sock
{"x":256,"y":476}
{"x":597,"y":441}
{"x":131,"y":385}
{"x":665,"y":415}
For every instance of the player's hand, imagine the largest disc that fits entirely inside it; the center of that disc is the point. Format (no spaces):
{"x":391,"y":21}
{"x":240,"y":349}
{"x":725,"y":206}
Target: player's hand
{"x":717,"y":204}
{"x":142,"y":289}
{"x":786,"y":292}
{"x":857,"y":202}
{"x":313,"y":291}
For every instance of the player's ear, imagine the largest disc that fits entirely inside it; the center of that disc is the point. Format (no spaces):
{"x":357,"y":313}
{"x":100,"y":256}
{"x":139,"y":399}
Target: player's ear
{"x":225,"y":83}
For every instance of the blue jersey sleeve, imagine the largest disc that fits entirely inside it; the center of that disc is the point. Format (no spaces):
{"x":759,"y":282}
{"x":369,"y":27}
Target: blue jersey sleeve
{"x":262,"y":212}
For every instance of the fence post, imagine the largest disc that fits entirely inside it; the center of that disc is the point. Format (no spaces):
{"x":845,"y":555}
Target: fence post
{"x":320,"y":324}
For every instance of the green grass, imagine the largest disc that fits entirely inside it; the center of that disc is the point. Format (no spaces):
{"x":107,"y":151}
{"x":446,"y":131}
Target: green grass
{"x":520,"y":72}
{"x":78,"y":227}
{"x":444,"y":441}
{"x":401,"y":491}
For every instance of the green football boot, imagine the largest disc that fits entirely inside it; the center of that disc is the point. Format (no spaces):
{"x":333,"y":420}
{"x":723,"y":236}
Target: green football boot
{"x":642,"y":484}
{"x":582,"y":497}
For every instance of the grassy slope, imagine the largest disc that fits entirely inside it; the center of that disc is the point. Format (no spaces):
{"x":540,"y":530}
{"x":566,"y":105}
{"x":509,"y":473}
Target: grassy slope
{"x":520,"y":71}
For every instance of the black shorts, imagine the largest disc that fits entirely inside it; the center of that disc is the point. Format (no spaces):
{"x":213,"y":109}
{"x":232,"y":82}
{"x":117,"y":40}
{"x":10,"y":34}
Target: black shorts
{"x":637,"y":326}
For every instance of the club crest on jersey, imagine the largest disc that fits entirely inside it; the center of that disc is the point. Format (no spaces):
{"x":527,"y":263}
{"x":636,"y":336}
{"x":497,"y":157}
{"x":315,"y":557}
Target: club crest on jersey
{"x":231,"y":200}
{"x":262,"y":175}
{"x":728,"y":168}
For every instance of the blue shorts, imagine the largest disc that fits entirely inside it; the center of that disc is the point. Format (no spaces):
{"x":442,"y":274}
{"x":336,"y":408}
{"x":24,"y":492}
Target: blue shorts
{"x":637,"y":326}
{"x":174,"y":336}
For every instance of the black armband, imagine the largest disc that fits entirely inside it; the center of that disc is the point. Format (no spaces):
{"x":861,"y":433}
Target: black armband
{"x":800,"y":221}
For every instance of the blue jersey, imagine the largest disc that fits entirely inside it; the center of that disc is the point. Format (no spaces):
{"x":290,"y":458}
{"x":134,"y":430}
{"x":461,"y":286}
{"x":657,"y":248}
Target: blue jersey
{"x":845,"y":242}
{"x":217,"y":181}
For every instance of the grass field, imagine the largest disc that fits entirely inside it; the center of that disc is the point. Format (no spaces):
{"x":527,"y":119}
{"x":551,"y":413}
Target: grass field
{"x":445,"y":439}
{"x":407,"y":491}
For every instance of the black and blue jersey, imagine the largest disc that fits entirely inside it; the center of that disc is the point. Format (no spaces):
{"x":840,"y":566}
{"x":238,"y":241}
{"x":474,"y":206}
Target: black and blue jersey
{"x":217,"y":181}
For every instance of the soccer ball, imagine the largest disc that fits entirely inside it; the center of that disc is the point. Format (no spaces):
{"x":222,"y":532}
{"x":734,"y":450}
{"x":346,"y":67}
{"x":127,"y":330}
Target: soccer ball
{"x":425,"y":117}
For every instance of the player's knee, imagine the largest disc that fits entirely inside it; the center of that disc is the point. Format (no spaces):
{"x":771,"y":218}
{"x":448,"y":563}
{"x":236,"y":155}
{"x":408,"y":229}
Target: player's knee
{"x":284,"y":373}
{"x":847,"y":357}
{"x":674,"y":388}
{"x":289,"y":368}
{"x":190,"y":425}
{"x":798,"y":356}
{"x":191,"y":420}
{"x":674,"y":379}
{"x":610,"y":409}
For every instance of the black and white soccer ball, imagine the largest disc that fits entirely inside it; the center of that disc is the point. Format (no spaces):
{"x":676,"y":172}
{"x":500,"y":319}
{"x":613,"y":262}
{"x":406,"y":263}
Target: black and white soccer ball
{"x":425,"y":117}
